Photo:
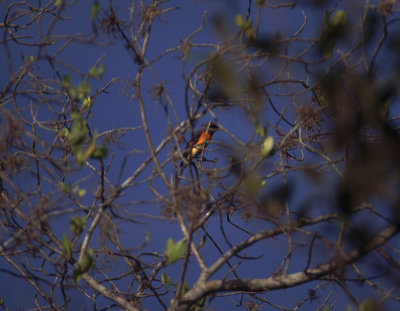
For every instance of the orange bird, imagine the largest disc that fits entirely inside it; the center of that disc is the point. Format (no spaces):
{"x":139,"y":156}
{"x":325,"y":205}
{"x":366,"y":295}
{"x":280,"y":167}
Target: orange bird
{"x":200,"y":141}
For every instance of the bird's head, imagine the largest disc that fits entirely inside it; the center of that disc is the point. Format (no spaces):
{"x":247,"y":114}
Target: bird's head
{"x":211,"y":129}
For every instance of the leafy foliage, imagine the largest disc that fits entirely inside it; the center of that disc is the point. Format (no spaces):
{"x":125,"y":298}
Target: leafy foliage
{"x":296,"y":192}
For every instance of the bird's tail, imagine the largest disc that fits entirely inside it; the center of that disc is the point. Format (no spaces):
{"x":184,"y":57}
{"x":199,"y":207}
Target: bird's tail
{"x":178,"y":177}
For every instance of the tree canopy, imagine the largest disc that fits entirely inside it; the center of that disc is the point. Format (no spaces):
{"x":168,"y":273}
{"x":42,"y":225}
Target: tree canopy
{"x":292,"y":204}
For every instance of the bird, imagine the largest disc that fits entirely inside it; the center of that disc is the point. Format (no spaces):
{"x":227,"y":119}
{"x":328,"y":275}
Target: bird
{"x":200,"y":140}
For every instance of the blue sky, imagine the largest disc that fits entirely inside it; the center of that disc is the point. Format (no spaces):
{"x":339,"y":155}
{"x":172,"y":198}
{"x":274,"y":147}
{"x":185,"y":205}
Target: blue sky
{"x":118,"y":109}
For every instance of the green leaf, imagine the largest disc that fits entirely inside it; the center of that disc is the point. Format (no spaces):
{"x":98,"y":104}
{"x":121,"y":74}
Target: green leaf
{"x":97,"y":71}
{"x":73,"y":93}
{"x":81,"y":156}
{"x":92,"y":71}
{"x":79,"y":129}
{"x":101,"y":69}
{"x":260,"y":2}
{"x":333,"y":29}
{"x":202,"y":241}
{"x":239,"y":20}
{"x":83,"y":90}
{"x":339,"y":18}
{"x":242,"y":24}
{"x":185,"y":289}
{"x":87,"y":260}
{"x":84,"y":265}
{"x":327,"y":48}
{"x":64,"y":132}
{"x":320,"y":97}
{"x":367,"y":305}
{"x":252,"y":184}
{"x":166,"y":280}
{"x":147,"y":236}
{"x":163,"y":277}
{"x":66,"y":82}
{"x":267,"y":146}
{"x":66,"y":188}
{"x":59,"y":3}
{"x":86,"y":103}
{"x":77,"y":224}
{"x":174,"y":250}
{"x":260,"y":130}
{"x":155,"y":255}
{"x":99,"y":152}
{"x":94,"y":10}
{"x":384,"y":109}
{"x":200,"y":304}
{"x":80,"y":193}
{"x":67,"y":247}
